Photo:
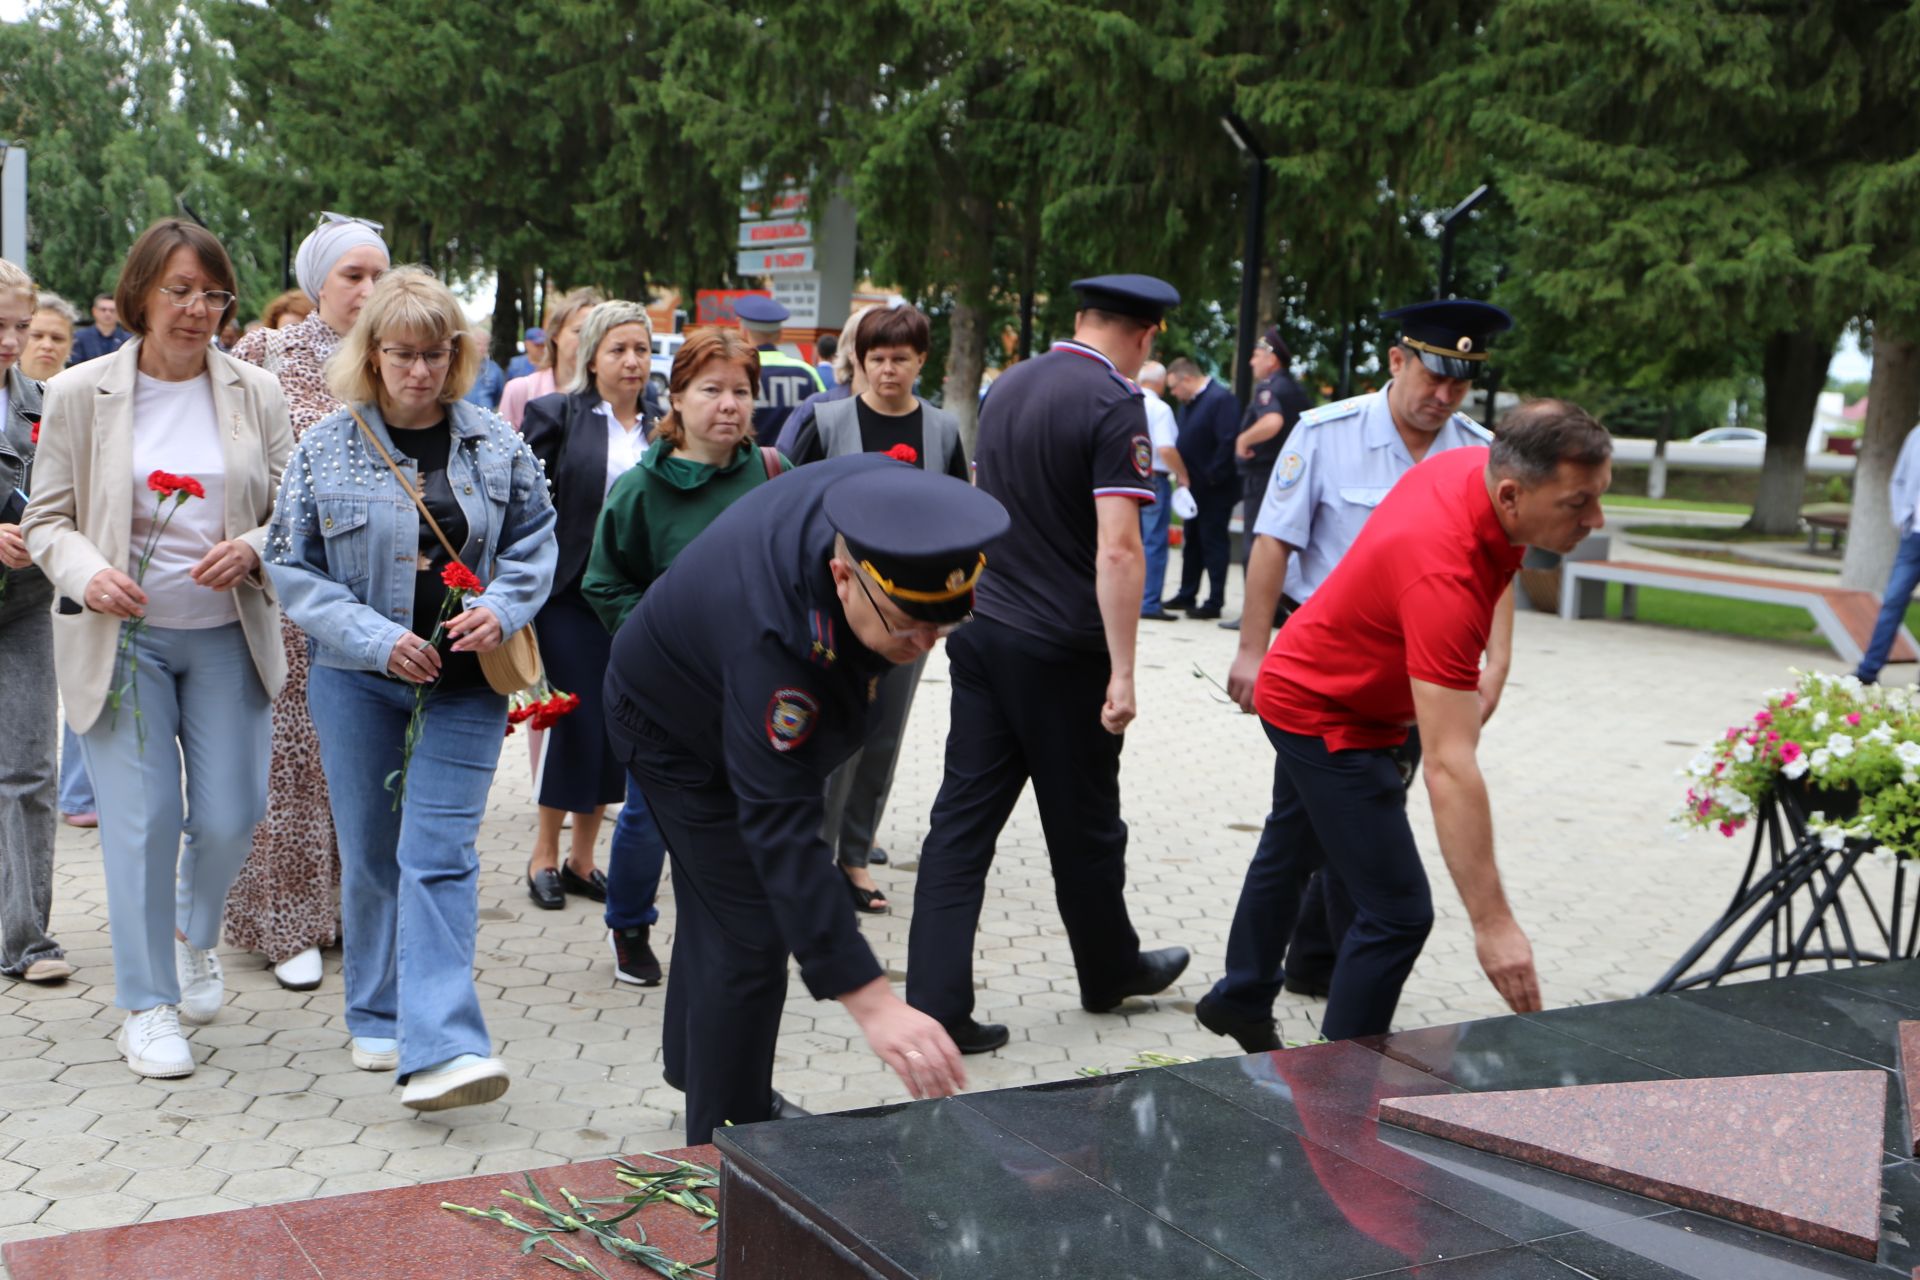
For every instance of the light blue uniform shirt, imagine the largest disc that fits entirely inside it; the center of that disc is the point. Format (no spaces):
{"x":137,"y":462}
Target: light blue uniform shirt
{"x":1340,"y":461}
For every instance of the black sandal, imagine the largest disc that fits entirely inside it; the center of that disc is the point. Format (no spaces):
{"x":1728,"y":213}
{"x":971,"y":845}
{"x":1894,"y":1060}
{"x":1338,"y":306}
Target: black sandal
{"x":863,"y":900}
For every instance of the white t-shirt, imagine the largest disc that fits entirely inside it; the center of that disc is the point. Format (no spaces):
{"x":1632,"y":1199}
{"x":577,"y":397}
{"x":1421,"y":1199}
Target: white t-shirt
{"x":1161,"y":428}
{"x":176,"y":429}
{"x":624,"y":447}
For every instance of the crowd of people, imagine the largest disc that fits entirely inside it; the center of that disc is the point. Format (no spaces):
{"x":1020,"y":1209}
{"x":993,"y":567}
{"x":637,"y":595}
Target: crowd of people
{"x":283,"y":595}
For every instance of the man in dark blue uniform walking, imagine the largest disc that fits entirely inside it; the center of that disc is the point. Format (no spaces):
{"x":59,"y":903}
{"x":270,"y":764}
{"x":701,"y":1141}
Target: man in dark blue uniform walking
{"x":740,"y":681}
{"x":1043,"y":681}
{"x":1209,"y":424}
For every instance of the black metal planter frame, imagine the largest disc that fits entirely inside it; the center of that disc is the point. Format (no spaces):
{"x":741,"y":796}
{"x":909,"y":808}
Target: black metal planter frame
{"x":1796,"y":896}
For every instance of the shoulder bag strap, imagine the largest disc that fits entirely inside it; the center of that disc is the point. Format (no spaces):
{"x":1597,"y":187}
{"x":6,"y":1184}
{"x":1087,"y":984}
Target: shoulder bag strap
{"x":770,"y":459}
{"x":418,"y":501}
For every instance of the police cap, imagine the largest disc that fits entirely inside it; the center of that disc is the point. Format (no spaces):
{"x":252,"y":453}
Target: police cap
{"x":1142,"y":297}
{"x":919,"y":536}
{"x":1450,"y":336}
{"x":536,"y":334}
{"x":1273,"y":342}
{"x":762,"y":311}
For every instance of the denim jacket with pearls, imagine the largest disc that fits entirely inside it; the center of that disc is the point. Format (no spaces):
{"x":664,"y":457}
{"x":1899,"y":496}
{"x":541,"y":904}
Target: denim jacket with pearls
{"x":343,"y":545}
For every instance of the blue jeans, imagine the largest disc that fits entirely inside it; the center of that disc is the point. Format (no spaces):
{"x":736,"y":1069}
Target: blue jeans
{"x":1893,"y":607}
{"x":634,"y":862}
{"x":76,"y":789}
{"x":170,"y":866}
{"x":409,"y":877}
{"x":1155,"y":520}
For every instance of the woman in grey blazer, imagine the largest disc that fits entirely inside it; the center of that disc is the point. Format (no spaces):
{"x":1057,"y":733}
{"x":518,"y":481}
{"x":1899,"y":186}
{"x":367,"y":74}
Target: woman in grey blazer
{"x":166,"y":636}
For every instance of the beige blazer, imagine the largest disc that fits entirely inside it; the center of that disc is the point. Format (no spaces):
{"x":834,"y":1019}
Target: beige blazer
{"x":80,"y":516}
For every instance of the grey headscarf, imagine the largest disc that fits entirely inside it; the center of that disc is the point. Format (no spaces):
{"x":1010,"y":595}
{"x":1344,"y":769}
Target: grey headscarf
{"x":336,"y":235}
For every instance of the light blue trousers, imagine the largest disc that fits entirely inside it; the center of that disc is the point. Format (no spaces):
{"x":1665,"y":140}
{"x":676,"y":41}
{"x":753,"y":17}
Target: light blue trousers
{"x":170,"y":863}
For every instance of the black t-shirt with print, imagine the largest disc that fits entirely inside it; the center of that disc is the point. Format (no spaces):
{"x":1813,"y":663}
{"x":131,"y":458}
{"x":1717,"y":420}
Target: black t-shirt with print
{"x":429,"y":447}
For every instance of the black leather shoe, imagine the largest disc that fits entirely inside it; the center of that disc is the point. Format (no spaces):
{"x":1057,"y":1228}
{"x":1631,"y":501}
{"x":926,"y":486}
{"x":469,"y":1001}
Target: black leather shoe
{"x":783,"y":1109}
{"x":1178,"y":602}
{"x":1204,"y":613}
{"x":1254,"y":1035}
{"x":544,"y":888}
{"x":593,"y":886}
{"x":877,"y":856}
{"x":1158,"y":970}
{"x":978,"y":1037}
{"x":1159,"y":615}
{"x":633,"y":959}
{"x":1316,"y":985}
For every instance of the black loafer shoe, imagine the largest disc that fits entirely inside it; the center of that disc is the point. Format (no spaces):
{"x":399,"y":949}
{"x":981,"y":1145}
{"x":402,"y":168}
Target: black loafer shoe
{"x":593,"y":886}
{"x":1178,"y":602}
{"x":1254,"y":1035}
{"x":1158,"y":970}
{"x":786,"y":1110}
{"x":978,"y":1037}
{"x":1159,"y":615}
{"x":1204,"y":613}
{"x":544,"y":888}
{"x":1316,"y":985}
{"x":877,"y":856}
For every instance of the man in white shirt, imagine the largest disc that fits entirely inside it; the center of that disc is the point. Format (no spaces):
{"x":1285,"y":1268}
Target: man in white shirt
{"x":1168,"y":471}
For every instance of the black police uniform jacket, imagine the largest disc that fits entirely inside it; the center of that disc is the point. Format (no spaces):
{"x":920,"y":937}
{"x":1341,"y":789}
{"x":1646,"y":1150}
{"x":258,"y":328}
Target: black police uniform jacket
{"x":740,"y":661}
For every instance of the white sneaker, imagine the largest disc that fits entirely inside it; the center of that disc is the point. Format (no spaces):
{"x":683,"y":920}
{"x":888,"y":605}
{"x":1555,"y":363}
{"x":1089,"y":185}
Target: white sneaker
{"x":465,"y":1081}
{"x":153,"y":1045}
{"x":301,"y":973}
{"x":202,"y":985}
{"x":370,"y":1053}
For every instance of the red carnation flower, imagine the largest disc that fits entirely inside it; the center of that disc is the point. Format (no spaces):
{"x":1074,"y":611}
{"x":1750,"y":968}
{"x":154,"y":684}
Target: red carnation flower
{"x":191,"y":487}
{"x":904,"y":453}
{"x":460,"y":578}
{"x":35,"y":438}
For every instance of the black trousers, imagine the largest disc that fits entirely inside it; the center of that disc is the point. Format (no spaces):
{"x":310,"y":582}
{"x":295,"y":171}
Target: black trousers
{"x":1022,"y":708}
{"x":728,"y":980}
{"x":1253,"y":492}
{"x":1208,"y":546}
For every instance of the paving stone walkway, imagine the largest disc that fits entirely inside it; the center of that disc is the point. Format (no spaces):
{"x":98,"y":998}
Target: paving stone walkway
{"x":1580,"y":761}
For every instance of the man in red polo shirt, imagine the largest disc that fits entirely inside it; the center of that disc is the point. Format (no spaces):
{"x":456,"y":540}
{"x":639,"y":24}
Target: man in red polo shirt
{"x":1391,"y":640}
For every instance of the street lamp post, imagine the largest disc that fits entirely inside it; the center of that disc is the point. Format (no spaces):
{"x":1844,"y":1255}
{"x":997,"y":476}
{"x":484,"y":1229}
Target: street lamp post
{"x":1448,"y":222}
{"x":1250,"y":259}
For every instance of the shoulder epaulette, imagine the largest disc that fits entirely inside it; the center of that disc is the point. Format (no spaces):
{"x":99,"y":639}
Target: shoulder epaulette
{"x":1133,"y":388}
{"x":1473,"y":428}
{"x":1335,"y":412}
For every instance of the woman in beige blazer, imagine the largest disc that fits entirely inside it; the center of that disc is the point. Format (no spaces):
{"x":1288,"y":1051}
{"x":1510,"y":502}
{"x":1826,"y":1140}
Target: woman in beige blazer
{"x":177,"y":659}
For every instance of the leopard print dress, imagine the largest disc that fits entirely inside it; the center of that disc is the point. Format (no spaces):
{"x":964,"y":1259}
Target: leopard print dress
{"x":287,"y":896}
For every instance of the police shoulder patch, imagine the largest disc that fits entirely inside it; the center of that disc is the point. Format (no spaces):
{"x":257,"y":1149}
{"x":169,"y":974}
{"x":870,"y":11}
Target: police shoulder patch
{"x":1143,"y":456}
{"x":1338,"y":411}
{"x":1266,"y":395}
{"x":791,"y":717}
{"x":1287,"y":471}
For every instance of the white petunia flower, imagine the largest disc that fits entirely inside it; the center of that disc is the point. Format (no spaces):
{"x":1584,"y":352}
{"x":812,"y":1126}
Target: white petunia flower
{"x":1821,"y":757}
{"x":1742,"y":751}
{"x":1840,"y":744}
{"x":1832,"y":838}
{"x":1795,"y":770}
{"x":1820,"y":719}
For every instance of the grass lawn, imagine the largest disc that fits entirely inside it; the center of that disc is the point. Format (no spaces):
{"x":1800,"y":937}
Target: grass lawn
{"x":1777,"y":622}
{"x":1674,"y":504}
{"x":1709,"y":533}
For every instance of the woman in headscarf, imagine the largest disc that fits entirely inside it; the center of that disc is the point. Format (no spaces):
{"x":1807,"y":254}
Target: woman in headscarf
{"x":283,"y":905}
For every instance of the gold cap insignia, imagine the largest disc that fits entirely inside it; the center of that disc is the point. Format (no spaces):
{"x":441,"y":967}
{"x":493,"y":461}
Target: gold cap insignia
{"x":1465,"y":344}
{"x":956,"y":580}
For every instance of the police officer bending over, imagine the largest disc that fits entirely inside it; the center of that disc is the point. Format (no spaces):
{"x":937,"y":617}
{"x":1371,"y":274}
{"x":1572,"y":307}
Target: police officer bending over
{"x":736,"y":686}
{"x":1043,"y":683}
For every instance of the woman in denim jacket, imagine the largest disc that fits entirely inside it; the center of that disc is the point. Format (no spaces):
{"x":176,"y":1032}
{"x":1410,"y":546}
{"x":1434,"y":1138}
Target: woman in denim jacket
{"x":359,"y":570}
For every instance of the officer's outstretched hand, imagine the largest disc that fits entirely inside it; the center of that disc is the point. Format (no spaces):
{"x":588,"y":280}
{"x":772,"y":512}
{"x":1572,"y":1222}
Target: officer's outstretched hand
{"x":918,"y":1048}
{"x":1507,"y":957}
{"x":1119,"y":710}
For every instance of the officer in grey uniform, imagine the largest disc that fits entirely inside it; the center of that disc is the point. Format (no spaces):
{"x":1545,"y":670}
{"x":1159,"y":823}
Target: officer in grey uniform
{"x":1338,"y":463}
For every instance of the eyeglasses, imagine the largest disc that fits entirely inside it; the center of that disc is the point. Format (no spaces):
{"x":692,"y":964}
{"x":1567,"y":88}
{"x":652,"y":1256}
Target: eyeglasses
{"x":402,"y":358}
{"x":938,"y":632}
{"x":183,"y":297}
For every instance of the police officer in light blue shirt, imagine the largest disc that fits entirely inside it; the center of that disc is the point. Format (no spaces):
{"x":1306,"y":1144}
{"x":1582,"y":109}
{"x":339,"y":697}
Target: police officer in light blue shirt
{"x":1337,"y":465}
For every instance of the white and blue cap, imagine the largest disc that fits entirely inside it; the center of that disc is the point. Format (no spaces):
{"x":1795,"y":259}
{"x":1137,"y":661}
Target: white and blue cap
{"x":1142,"y":297}
{"x":1451,"y":336}
{"x":757,"y":309}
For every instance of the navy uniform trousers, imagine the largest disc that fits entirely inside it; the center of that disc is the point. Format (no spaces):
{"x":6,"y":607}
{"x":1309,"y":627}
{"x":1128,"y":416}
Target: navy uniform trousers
{"x":728,"y":981}
{"x":1346,"y":812}
{"x":1022,"y":708}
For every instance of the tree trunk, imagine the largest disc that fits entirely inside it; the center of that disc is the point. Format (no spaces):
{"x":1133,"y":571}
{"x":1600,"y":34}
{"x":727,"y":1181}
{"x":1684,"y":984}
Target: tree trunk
{"x":1657,"y":472}
{"x":506,"y":324}
{"x":1892,"y":409}
{"x":966,"y":358}
{"x":1795,"y":373}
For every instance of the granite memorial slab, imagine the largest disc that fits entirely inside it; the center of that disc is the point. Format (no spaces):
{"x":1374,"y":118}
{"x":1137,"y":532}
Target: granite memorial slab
{"x":1910,"y":1082}
{"x":1797,"y":1155}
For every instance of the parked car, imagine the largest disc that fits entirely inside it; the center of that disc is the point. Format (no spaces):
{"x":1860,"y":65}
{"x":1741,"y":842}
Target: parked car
{"x":1731,"y":435}
{"x":660,"y":370}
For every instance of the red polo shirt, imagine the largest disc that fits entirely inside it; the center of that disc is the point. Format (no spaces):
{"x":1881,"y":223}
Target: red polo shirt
{"x":1412,"y":600}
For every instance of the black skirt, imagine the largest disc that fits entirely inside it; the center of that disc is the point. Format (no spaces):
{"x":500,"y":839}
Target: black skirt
{"x":577,"y":770}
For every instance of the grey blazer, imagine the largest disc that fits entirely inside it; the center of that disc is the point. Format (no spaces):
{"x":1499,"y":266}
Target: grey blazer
{"x":838,"y":422}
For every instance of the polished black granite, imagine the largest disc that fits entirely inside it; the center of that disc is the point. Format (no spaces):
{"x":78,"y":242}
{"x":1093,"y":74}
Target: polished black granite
{"x":1274,"y":1165}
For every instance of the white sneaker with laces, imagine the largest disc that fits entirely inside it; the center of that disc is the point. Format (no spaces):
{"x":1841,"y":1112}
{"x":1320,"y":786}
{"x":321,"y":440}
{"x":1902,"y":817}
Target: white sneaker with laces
{"x":301,"y":972}
{"x":202,"y":984}
{"x":153,"y":1045}
{"x":465,"y":1081}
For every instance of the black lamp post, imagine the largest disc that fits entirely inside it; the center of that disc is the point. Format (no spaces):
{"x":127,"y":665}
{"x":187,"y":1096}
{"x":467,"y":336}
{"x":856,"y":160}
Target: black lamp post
{"x":1256,"y":157}
{"x":1448,"y":222}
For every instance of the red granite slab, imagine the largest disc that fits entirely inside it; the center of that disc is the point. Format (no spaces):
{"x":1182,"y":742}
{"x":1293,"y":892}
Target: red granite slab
{"x":1797,"y":1155}
{"x":374,"y":1235}
{"x":1910,"y":1084}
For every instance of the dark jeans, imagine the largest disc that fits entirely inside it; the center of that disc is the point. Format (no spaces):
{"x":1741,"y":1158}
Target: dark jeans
{"x":1893,"y":607}
{"x":1208,"y":547}
{"x":635,"y":859}
{"x":1252,"y":493}
{"x":1346,"y":811}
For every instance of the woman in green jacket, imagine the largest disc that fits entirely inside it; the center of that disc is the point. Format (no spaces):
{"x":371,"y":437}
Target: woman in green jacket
{"x":703,"y":458}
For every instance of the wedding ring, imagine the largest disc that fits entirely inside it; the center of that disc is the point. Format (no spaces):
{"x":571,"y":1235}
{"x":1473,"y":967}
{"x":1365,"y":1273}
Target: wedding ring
{"x":915,"y":1053}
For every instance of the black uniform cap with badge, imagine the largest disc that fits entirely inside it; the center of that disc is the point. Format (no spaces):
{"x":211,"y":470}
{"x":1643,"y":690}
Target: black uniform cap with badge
{"x":1138,"y":297}
{"x":919,"y":536}
{"x":1450,"y":336}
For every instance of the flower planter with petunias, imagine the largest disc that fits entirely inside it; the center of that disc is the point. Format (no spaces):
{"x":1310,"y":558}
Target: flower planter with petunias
{"x":1827,"y":776}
